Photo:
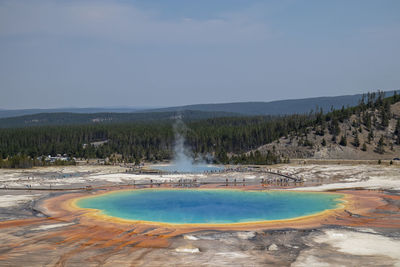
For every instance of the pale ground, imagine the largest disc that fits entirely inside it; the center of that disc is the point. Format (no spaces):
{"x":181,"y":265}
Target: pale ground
{"x":349,"y":248}
{"x":347,"y":176}
{"x":344,"y":246}
{"x":15,"y":200}
{"x":338,"y":176}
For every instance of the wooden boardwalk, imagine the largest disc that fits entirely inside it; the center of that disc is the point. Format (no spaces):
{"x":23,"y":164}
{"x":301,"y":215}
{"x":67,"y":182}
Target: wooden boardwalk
{"x":294,"y":179}
{"x":277,"y":177}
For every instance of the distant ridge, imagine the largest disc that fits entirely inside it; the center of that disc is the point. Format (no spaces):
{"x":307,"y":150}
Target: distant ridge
{"x":74,"y":116}
{"x":6,"y":113}
{"x":280,"y":107}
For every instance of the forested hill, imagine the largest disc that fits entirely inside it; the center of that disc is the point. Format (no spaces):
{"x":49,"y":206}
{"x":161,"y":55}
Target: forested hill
{"x":282,"y":107}
{"x":52,"y":119}
{"x":368,"y":130}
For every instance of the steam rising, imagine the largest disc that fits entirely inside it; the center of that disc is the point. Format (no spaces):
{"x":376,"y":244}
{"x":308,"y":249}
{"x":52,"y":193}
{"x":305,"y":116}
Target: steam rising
{"x":183,"y":160}
{"x":183,"y":157}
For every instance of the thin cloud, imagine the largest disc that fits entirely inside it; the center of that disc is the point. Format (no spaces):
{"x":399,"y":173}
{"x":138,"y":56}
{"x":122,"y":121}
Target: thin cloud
{"x":122,"y":22}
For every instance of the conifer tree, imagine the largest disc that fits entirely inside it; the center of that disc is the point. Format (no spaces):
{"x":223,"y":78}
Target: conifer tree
{"x":323,"y":143}
{"x":370,"y":136}
{"x":343,"y":141}
{"x":364,"y":147}
{"x":380,"y":149}
{"x":396,"y":134}
{"x":356,"y":141}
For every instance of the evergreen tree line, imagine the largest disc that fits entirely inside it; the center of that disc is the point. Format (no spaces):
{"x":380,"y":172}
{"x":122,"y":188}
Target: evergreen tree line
{"x":150,"y":142}
{"x":23,"y":161}
{"x":233,"y":136}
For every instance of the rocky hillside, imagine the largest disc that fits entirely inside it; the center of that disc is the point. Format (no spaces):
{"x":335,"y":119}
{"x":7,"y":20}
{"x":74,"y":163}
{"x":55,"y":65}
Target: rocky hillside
{"x":368,"y":131}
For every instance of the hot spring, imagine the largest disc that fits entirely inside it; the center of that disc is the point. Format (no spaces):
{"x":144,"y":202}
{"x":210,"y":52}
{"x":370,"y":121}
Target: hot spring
{"x":209,"y":206}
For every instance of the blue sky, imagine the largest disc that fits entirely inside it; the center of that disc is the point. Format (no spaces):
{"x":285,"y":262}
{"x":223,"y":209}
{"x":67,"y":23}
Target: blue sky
{"x":91,"y":53}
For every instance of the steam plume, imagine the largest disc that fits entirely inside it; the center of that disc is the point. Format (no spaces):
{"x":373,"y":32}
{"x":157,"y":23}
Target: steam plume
{"x":183,"y":159}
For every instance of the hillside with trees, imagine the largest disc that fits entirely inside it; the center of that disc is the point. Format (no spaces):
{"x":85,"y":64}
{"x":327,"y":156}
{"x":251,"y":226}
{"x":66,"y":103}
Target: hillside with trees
{"x":370,"y":130}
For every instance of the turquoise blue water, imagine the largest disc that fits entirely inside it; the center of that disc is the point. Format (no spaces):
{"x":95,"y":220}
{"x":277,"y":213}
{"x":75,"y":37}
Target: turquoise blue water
{"x":181,"y":206}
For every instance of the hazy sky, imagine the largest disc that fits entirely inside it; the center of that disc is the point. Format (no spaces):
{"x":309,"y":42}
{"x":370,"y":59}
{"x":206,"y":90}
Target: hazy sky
{"x":91,"y":53}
